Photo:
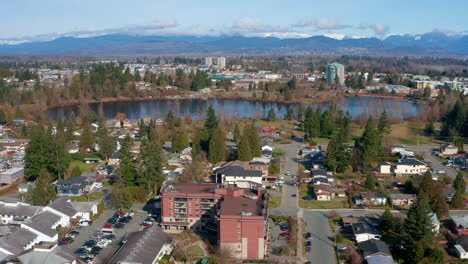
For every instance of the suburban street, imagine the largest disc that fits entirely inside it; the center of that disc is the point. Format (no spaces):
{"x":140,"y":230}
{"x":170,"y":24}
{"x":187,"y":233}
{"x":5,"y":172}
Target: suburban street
{"x":316,"y":222}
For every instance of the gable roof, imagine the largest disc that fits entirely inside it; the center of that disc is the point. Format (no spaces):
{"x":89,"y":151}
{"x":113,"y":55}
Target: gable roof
{"x":410,"y":162}
{"x":63,"y":206}
{"x":142,"y":246}
{"x":16,"y":241}
{"x":43,"y":223}
{"x":375,"y":247}
{"x":238,"y":171}
{"x":363,"y":228}
{"x":56,"y":256}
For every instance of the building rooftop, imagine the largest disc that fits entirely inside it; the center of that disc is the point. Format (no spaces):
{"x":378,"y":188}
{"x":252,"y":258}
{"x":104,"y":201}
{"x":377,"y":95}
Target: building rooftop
{"x":189,"y":188}
{"x":238,"y":171}
{"x":410,"y":162}
{"x":363,"y":228}
{"x":249,"y":204}
{"x":19,"y":210}
{"x":43,"y":223}
{"x":51,"y":255}
{"x":142,"y":246}
{"x":375,"y":247}
{"x":402,"y":196}
{"x":17,"y":241}
{"x":63,"y":206}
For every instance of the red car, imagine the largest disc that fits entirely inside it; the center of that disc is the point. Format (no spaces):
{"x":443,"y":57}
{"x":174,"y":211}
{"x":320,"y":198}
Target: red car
{"x":285,"y":234}
{"x":108,"y":226}
{"x":147,"y":224}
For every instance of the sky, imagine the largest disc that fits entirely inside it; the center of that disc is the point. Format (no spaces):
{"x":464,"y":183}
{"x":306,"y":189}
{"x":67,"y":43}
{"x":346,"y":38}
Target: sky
{"x":40,"y":20}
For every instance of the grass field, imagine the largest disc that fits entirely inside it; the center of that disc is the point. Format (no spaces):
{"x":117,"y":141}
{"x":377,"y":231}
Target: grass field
{"x":90,"y":197}
{"x":314,"y":204}
{"x":196,"y":251}
{"x":274,"y":201}
{"x":83,"y":166}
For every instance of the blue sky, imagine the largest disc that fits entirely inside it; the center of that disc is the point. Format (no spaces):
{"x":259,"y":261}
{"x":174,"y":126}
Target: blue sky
{"x":47,"y":19}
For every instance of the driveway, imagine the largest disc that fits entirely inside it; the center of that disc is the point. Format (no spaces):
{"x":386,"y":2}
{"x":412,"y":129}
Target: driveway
{"x":426,"y":151}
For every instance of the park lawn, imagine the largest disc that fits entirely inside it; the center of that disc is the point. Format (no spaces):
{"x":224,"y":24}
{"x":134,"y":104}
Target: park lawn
{"x":196,"y":251}
{"x":274,"y":201}
{"x":314,"y":204}
{"x":90,"y":197}
{"x":82,"y":165}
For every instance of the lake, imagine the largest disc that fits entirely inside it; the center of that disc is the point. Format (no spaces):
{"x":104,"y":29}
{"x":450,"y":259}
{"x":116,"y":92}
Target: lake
{"x":358,"y":107}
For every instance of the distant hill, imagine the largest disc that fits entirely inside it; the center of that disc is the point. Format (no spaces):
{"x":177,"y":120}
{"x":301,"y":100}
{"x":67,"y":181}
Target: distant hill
{"x":434,"y":44}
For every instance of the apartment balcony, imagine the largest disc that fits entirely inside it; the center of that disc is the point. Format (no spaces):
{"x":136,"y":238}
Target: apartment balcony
{"x":180,"y":206}
{"x":181,"y":201}
{"x":181,"y":212}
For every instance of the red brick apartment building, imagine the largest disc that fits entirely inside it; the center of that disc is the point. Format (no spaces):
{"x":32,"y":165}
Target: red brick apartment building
{"x":238,"y":216}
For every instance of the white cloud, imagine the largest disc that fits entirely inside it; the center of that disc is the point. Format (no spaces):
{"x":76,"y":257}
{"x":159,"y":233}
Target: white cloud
{"x":321,"y":23}
{"x":379,"y":29}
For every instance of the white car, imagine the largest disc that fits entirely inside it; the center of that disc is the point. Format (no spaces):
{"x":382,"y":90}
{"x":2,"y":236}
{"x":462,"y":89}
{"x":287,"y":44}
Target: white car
{"x":104,"y":243}
{"x":440,"y":171}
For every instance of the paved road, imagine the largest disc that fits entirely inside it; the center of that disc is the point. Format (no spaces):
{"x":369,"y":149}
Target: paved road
{"x":316,"y":222}
{"x":322,"y":238}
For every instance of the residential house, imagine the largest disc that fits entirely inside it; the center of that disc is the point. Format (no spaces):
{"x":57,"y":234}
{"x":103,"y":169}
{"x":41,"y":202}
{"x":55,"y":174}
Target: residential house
{"x":364,"y":231}
{"x":146,"y":246}
{"x":85,"y":210}
{"x":384,"y":168}
{"x":11,"y":175}
{"x":323,"y":192}
{"x":16,"y":212}
{"x":461,"y":247}
{"x":76,"y":185}
{"x":448,"y":193}
{"x":410,"y":166}
{"x":114,"y":159}
{"x":404,"y":200}
{"x":448,"y":150}
{"x":63,"y":208}
{"x":376,"y":251}
{"x":371,"y":198}
{"x":460,"y":223}
{"x":237,"y":175}
{"x":318,"y":158}
{"x":43,"y":225}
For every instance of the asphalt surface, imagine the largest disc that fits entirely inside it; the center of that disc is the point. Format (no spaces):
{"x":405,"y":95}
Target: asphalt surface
{"x":322,"y":250}
{"x":425,"y":151}
{"x":108,"y":251}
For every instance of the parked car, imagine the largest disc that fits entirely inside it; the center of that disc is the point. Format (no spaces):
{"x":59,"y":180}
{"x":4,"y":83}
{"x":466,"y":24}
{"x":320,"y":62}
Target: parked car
{"x":119,"y":225}
{"x":284,"y":228}
{"x":108,"y":226}
{"x":294,"y":195}
{"x":81,"y":227}
{"x":308,"y":244}
{"x":104,"y":243}
{"x":441,"y":171}
{"x":308,"y":235}
{"x":285,"y":234}
{"x":145,"y":224}
{"x":307,"y":197}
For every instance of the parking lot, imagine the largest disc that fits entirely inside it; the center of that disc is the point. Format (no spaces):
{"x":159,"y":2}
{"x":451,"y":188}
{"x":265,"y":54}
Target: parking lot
{"x":278,"y":241}
{"x":108,"y":251}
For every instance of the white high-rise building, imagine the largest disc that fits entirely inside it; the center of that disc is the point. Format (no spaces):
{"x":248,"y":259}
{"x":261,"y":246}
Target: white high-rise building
{"x":208,"y":61}
{"x":221,"y":62}
{"x":335,"y":69}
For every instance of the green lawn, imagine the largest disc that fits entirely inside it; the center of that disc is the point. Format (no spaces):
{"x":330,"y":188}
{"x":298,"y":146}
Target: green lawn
{"x":314,"y":204}
{"x":274,"y":201}
{"x":196,"y":251}
{"x":90,"y":197}
{"x":83,"y":166}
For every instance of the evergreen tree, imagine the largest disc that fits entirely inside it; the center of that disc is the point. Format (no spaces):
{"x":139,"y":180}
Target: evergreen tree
{"x":366,"y":148}
{"x":60,"y":158}
{"x":290,"y":115}
{"x":179,"y":141}
{"x":387,"y":221}
{"x":127,"y":169}
{"x":87,"y":138}
{"x":271,"y":115}
{"x":384,"y":124}
{"x":437,"y":201}
{"x":244,"y":153}
{"x":211,"y":120}
{"x":458,"y":200}
{"x":459,"y":182}
{"x":370,"y":181}
{"x":337,"y":156}
{"x":237,"y":133}
{"x":254,"y":140}
{"x":150,"y":171}
{"x":107,"y":144}
{"x":36,"y":157}
{"x":427,"y":184}
{"x":417,"y":228}
{"x":217,"y":150}
{"x":44,"y":191}
{"x":429,"y":129}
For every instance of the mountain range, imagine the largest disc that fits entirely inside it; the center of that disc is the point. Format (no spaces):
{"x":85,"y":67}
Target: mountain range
{"x":428,"y":44}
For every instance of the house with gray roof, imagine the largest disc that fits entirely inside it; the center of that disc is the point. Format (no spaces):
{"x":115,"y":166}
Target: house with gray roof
{"x":63,"y":208}
{"x":44,"y":226}
{"x":402,"y":199}
{"x":17,"y":242}
{"x":144,"y":247}
{"x":374,"y":247}
{"x":363,"y":231}
{"x":236,"y":174}
{"x":45,"y":253}
{"x":16,"y":213}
